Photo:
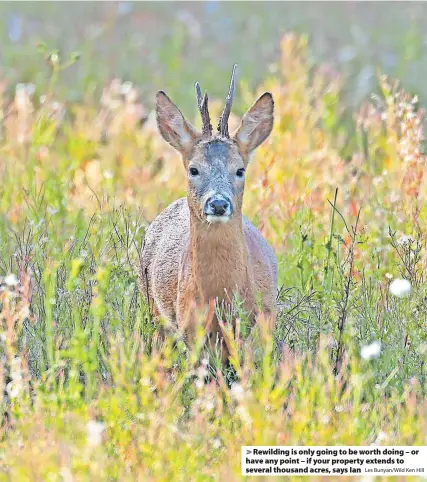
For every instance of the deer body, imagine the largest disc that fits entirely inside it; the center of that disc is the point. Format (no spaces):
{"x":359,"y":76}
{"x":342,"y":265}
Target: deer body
{"x":185,"y":263}
{"x":201,"y":248}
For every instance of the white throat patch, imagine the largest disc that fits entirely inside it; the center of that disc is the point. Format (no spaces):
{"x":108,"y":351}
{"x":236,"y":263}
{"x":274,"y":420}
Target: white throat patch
{"x":217,"y":219}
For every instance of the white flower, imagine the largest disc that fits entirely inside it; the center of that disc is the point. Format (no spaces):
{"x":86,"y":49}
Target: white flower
{"x":11,"y":280}
{"x":371,"y":351}
{"x":67,"y":476}
{"x":108,"y":174}
{"x":54,"y":58}
{"x":400,"y":288}
{"x":14,"y":388}
{"x":216,"y":443}
{"x":405,"y":240}
{"x":389,"y":276}
{"x":237,"y":392}
{"x":381,"y":437}
{"x":325,"y":419}
{"x":94,"y":432}
{"x":199,"y":384}
{"x":244,"y":415}
{"x":51,"y":210}
{"x":202,"y":372}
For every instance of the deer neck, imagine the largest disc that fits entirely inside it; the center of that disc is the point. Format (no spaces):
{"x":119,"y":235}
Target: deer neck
{"x":219,"y":258}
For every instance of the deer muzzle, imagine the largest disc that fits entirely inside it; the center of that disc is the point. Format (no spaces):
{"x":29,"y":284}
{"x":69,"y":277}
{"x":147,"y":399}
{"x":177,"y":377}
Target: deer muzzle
{"x":218,"y":209}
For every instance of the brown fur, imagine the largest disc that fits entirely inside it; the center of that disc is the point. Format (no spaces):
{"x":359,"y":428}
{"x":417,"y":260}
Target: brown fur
{"x":186,"y":260}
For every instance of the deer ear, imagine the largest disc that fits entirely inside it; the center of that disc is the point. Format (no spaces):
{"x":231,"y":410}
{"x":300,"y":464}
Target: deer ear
{"x":172,"y":126}
{"x":256,"y":124}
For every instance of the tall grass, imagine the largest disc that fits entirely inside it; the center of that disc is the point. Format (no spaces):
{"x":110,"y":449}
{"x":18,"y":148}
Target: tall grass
{"x":89,"y":390}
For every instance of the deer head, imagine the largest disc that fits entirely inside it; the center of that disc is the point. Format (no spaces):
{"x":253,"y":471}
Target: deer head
{"x":215,"y":163}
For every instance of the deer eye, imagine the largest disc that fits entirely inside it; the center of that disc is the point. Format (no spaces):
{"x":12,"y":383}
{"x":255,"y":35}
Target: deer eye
{"x":240,"y":172}
{"x":194,"y":171}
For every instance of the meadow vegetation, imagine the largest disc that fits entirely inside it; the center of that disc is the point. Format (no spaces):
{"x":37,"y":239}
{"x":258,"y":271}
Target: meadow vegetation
{"x":88,"y":391}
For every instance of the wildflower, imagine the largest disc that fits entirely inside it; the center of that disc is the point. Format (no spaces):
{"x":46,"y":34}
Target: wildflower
{"x":244,"y":415}
{"x":94,"y":432}
{"x":51,"y":210}
{"x":400,"y":288}
{"x":199,"y":384}
{"x":405,"y":240}
{"x":108,"y":174}
{"x":11,"y":280}
{"x":237,"y":392}
{"x":325,"y":419}
{"x":389,"y":276}
{"x":54,"y":58}
{"x":371,"y":351}
{"x":15,"y":387}
{"x":394,"y":196}
{"x":28,"y":89}
{"x":55,"y":106}
{"x":216,"y":443}
{"x":381,"y":437}
{"x":67,"y":476}
{"x":202,"y":372}
{"x":209,"y":405}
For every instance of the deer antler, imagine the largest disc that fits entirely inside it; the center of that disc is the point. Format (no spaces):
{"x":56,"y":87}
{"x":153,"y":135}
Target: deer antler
{"x":202,"y":102}
{"x":223,"y":121}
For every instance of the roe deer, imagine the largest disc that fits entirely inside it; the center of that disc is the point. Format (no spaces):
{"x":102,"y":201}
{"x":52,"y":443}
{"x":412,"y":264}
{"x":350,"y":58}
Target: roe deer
{"x":201,"y":248}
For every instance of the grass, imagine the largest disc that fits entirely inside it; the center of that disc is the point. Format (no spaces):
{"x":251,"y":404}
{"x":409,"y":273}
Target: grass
{"x":89,"y":392}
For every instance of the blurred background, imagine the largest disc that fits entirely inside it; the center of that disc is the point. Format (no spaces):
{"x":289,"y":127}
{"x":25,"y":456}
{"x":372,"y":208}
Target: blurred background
{"x":169,"y":45}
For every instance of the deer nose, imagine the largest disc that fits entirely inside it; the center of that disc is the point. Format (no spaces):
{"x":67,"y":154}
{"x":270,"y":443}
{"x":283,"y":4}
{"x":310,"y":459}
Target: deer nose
{"x":218,"y":206}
